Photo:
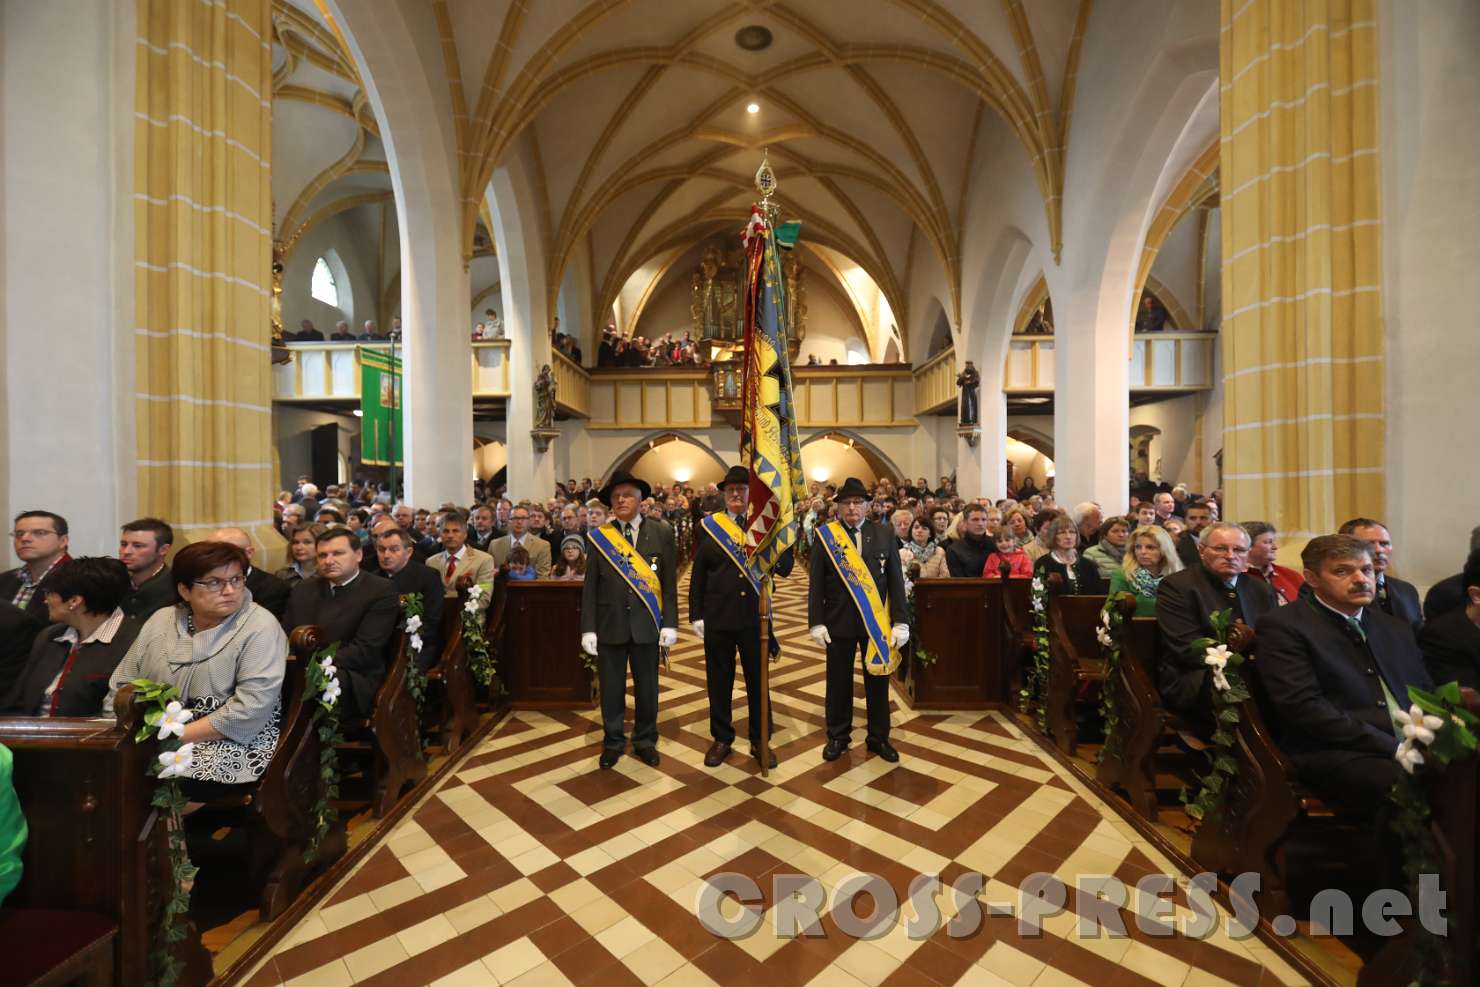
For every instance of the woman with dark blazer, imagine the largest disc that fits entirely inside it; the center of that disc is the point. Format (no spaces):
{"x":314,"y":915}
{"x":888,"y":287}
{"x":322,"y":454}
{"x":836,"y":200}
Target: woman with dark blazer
{"x":71,"y":661}
{"x":1081,"y":575}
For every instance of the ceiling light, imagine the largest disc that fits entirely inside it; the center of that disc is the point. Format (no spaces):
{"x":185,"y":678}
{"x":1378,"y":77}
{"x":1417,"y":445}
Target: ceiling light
{"x":359,"y":413}
{"x":753,"y":108}
{"x":753,"y":37}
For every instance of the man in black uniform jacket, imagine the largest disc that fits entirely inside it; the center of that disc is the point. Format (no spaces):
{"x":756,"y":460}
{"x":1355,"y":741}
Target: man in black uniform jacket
{"x":836,"y":624}
{"x":1185,"y":603}
{"x":1393,"y":596}
{"x":1331,"y":664}
{"x":354,"y":608}
{"x":617,"y":628}
{"x":724,"y":610}
{"x":408,"y":575}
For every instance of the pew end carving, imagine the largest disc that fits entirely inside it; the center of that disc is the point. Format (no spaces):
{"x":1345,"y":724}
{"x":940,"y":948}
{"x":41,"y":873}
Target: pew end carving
{"x":1074,"y":660}
{"x":457,"y":710}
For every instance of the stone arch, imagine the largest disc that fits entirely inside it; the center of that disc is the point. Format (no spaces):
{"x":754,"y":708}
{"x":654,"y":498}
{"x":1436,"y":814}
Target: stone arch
{"x":936,"y":327}
{"x":1030,"y":436}
{"x":1143,"y":464}
{"x":876,"y":458}
{"x":642,"y":446}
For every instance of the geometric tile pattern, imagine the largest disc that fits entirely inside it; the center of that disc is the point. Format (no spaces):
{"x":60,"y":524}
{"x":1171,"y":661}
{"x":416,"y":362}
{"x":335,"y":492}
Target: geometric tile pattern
{"x":530,"y":866}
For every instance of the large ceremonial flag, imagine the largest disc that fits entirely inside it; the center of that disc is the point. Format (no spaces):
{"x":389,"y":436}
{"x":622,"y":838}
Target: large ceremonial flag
{"x":380,"y":404}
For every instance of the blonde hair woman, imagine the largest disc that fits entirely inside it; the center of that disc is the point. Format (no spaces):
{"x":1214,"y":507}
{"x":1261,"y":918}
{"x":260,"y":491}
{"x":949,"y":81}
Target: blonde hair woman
{"x":1151,"y":558}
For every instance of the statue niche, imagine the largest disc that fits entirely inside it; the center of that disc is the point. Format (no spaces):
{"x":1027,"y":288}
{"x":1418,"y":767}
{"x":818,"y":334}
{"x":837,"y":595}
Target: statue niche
{"x":717,"y":305}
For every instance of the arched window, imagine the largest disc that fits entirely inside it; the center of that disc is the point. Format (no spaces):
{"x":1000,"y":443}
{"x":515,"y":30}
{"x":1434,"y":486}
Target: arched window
{"x":322,"y":285}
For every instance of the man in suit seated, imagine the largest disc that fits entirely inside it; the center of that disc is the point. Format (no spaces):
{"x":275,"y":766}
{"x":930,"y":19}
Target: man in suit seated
{"x":1395,"y":597}
{"x":17,"y":630}
{"x":1185,"y":604}
{"x":341,"y":333}
{"x":399,"y":564}
{"x":619,"y":625}
{"x":1449,"y":593}
{"x":484,"y":531}
{"x":460,"y":564}
{"x":40,"y":539}
{"x":1450,"y":642}
{"x":268,"y":591}
{"x":307,"y":333}
{"x":1334,"y":668}
{"x":357,"y":609}
{"x":519,"y":534}
{"x":142,"y":547}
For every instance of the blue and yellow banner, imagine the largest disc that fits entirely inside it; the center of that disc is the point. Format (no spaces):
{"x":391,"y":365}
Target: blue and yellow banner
{"x":727,"y":534}
{"x":631,"y":566}
{"x":880,"y":659}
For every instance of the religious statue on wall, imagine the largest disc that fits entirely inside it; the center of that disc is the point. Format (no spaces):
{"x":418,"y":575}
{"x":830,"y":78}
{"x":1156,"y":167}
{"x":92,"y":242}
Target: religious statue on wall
{"x":970,"y":382}
{"x":544,"y":398}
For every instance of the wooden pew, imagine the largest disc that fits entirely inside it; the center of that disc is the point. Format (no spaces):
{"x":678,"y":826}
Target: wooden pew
{"x":959,"y":621}
{"x":1017,"y":633}
{"x":1074,"y":658}
{"x":540,"y":646}
{"x":457,"y":705}
{"x":391,"y":734}
{"x":95,"y":844}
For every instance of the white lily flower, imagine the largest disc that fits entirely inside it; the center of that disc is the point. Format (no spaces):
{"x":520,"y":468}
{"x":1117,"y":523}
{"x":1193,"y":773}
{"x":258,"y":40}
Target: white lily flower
{"x":172,"y":722}
{"x":178,"y":762}
{"x":1103,"y":636}
{"x":413,"y":624}
{"x":1408,"y":756}
{"x":331,"y":693}
{"x":1037,"y":584}
{"x":1217,"y":655}
{"x":416,"y":642}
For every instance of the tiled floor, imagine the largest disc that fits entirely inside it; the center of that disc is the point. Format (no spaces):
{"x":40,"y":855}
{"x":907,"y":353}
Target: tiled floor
{"x":530,"y":866}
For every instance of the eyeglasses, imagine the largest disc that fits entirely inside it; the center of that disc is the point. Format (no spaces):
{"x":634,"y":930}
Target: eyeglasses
{"x":1228,"y":549}
{"x":33,"y":533}
{"x":217,"y":585}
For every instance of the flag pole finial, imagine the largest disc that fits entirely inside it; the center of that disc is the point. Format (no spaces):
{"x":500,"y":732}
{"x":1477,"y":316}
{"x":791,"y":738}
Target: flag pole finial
{"x":766,"y":184}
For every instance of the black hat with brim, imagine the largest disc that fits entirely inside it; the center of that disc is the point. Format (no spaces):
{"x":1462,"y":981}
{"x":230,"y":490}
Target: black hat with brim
{"x":619,"y":478}
{"x":737,"y":474}
{"x":852,"y":487}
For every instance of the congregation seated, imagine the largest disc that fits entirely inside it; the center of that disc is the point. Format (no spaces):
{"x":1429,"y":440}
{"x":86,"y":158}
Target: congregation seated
{"x":919,"y":548}
{"x":1185,"y":603}
{"x":520,"y":534}
{"x":571,"y":566}
{"x":1450,"y":642}
{"x":1038,"y":546}
{"x":227,"y":656}
{"x":966,"y":557}
{"x":1107,"y":551}
{"x":1080,"y":575}
{"x":71,"y":661}
{"x":341,"y":333}
{"x":1449,"y":593}
{"x":1263,"y":550}
{"x":1151,"y":559}
{"x":484,"y":529}
{"x":18,"y":629}
{"x":518,"y":566}
{"x":354,"y":609}
{"x":142,"y":547}
{"x":460,"y":565}
{"x":1088,"y":518}
{"x":302,"y":555}
{"x":268,"y":591}
{"x":1334,"y":667}
{"x":306,"y":333}
{"x":1198,"y":516}
{"x":1395,"y":597}
{"x":1010,"y":554}
{"x":408,"y":574}
{"x":40,"y":539}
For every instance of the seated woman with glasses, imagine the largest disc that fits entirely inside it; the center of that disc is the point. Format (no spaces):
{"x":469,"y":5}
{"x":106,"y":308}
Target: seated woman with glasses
{"x":227,"y":656}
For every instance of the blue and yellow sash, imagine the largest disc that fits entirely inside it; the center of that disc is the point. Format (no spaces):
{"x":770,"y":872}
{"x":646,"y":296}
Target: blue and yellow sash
{"x":880,"y":659}
{"x":728,"y":536}
{"x":632,"y":567}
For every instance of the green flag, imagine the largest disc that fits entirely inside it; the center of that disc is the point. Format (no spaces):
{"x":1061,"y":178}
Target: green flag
{"x":380,"y":405}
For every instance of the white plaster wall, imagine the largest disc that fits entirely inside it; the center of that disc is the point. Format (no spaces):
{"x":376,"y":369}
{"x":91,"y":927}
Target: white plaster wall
{"x":292,"y":427}
{"x":1431,"y":211}
{"x":1213,"y":273}
{"x":1173,"y":452}
{"x":66,"y":265}
{"x":356,"y":254}
{"x":1176,"y":264}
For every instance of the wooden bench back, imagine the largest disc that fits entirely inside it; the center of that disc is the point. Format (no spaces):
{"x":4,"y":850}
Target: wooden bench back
{"x":959,"y":621}
{"x":541,"y":646}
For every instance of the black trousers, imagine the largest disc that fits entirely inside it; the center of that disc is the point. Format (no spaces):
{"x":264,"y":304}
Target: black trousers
{"x":1356,"y":783}
{"x":611,"y":668}
{"x":719,"y":674}
{"x":844,"y":657}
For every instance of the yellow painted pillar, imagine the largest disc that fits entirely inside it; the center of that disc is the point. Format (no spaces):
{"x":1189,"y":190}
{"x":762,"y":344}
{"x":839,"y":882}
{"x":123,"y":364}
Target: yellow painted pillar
{"x":203,"y":255}
{"x":1302,"y":328}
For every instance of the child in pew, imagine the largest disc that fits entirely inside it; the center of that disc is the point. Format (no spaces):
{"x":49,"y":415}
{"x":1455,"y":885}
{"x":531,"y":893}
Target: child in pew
{"x":518,"y":565}
{"x":1008,"y":551}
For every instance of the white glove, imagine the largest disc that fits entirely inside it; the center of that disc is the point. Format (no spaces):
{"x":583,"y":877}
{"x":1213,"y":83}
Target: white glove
{"x":900,"y":636}
{"x":667,"y":637}
{"x":820,"y":635}
{"x":698,"y":627}
{"x":588,"y":644}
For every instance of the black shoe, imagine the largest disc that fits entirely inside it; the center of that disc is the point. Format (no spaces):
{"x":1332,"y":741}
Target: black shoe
{"x":771,"y":757}
{"x":834,"y":750}
{"x":718,"y":751}
{"x":609,"y":758}
{"x":884,"y":749}
{"x":649,"y":755}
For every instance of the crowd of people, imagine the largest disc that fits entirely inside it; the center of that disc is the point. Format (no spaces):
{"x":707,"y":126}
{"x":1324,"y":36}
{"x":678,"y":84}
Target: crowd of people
{"x":668,"y":350}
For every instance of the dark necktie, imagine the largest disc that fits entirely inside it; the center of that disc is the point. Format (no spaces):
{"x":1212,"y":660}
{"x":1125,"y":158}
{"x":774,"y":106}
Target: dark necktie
{"x":1383,"y":600}
{"x":627,"y":531}
{"x":853,"y":536}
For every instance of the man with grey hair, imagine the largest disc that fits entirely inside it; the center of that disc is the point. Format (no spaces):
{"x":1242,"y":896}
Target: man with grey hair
{"x":268,"y":591}
{"x":1087,"y":519}
{"x":1334,"y":667}
{"x":1449,"y":593}
{"x":1185,"y":604}
{"x":371,"y":333}
{"x":341,"y":333}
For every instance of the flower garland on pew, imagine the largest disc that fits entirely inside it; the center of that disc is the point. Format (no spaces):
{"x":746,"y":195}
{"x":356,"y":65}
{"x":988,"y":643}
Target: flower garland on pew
{"x":1229,"y":692}
{"x":1110,"y":632}
{"x":165,"y":717}
{"x":1437,"y":731}
{"x":1035,"y":681}
{"x":321,"y":679}
{"x":922,"y":657}
{"x":414,"y":608}
{"x":480,"y":662}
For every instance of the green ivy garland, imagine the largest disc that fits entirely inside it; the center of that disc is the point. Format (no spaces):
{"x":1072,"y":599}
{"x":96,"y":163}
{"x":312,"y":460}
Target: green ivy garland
{"x":165,"y":718}
{"x":1437,"y":731}
{"x":1110,"y":634}
{"x":480,"y":662}
{"x":414,"y":609}
{"x":921,"y":657}
{"x":321,"y":680}
{"x":1035,"y":681}
{"x":1229,"y":693}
